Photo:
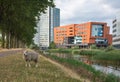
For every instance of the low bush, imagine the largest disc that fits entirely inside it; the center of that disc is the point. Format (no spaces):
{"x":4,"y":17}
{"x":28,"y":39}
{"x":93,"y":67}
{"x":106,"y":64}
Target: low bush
{"x":93,"y":46}
{"x":109,"y":48}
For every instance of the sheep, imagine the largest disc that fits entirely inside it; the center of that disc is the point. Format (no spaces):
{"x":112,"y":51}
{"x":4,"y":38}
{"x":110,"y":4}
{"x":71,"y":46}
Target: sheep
{"x":30,"y":56}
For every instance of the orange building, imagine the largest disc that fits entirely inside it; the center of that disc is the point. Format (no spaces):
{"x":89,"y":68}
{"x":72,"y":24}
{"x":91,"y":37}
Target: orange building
{"x":89,"y":33}
{"x":60,"y":33}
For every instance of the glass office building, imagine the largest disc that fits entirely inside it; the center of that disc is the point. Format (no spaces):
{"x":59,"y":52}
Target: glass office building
{"x":54,"y":21}
{"x":45,"y":27}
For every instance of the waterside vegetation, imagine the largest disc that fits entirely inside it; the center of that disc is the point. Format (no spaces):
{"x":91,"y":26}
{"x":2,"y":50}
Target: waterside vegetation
{"x":108,"y":56}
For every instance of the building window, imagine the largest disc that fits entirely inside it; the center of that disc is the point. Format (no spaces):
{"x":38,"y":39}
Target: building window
{"x":114,"y":25}
{"x":71,"y":31}
{"x":71,"y":34}
{"x":97,"y":30}
{"x":70,"y":28}
{"x":114,"y":35}
{"x":114,"y":21}
{"x":114,"y":30}
{"x":116,"y":40}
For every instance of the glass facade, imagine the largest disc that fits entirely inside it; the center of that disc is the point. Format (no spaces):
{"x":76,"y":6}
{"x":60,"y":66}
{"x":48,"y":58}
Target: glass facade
{"x":54,"y":21}
{"x":101,"y":42}
{"x":77,"y":40}
{"x":70,"y":40}
{"x":45,"y":26}
{"x":97,"y":30}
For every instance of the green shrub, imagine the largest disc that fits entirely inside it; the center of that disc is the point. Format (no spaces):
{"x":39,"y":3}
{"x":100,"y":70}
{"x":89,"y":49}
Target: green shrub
{"x":93,"y":46}
{"x":108,"y":56}
{"x":52,"y":45}
{"x":109,"y":48}
{"x":76,"y":52}
{"x":89,"y":52}
{"x":111,"y":78}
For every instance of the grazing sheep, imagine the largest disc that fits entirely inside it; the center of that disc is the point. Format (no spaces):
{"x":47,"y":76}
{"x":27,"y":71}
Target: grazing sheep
{"x":30,"y":56}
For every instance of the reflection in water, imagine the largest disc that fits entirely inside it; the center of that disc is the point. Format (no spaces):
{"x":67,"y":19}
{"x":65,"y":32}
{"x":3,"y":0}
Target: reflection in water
{"x":107,"y":70}
{"x":62,"y":55}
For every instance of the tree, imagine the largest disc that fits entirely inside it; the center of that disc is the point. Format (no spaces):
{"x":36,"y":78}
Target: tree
{"x":18,"y":20}
{"x":52,"y":45}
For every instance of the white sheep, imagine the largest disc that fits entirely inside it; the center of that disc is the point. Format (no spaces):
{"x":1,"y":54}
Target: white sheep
{"x":30,"y":56}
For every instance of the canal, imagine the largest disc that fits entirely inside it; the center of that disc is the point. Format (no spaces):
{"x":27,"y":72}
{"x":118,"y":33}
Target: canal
{"x":98,"y":66}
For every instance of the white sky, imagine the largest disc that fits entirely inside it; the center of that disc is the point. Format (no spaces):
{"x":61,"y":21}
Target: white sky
{"x":79,"y":11}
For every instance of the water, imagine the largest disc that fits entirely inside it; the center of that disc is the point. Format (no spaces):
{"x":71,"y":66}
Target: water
{"x":107,"y":70}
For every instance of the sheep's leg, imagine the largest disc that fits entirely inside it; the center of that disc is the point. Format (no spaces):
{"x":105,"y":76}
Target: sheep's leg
{"x":29,"y":64}
{"x":36,"y":65}
{"x":26,"y":64}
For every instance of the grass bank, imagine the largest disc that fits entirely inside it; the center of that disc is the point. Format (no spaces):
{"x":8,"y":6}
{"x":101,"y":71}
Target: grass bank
{"x":12,"y":69}
{"x":96,"y":54}
{"x":86,"y":70}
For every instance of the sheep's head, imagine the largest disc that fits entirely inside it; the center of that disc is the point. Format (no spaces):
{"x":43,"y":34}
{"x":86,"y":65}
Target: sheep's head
{"x":25,"y":54}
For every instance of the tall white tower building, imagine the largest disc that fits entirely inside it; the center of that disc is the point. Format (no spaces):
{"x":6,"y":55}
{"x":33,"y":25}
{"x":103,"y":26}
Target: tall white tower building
{"x":48,"y":21}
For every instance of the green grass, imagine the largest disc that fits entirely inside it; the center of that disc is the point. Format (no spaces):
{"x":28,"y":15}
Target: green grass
{"x":60,"y":50}
{"x":86,"y":70}
{"x":12,"y":69}
{"x":113,"y":55}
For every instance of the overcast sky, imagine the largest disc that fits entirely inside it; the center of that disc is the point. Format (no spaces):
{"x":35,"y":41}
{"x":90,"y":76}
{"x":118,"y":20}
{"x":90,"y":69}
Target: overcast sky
{"x":79,"y":11}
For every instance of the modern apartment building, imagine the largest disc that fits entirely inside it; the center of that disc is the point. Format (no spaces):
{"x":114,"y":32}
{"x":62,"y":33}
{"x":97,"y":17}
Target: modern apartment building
{"x":116,"y":32}
{"x":85,"y":33}
{"x":45,"y":27}
{"x":63,"y":32}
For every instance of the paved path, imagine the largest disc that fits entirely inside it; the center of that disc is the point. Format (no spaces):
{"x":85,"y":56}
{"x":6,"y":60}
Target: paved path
{"x":6,"y":52}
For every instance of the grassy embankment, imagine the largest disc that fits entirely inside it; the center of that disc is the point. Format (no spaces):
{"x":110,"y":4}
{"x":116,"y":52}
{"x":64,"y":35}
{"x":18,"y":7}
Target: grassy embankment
{"x":12,"y":69}
{"x":105,"y":57}
{"x":86,"y":70}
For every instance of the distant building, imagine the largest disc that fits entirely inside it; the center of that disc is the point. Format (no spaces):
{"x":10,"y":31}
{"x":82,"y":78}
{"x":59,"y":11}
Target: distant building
{"x":85,"y":33}
{"x":116,"y":32}
{"x":45,"y":27}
